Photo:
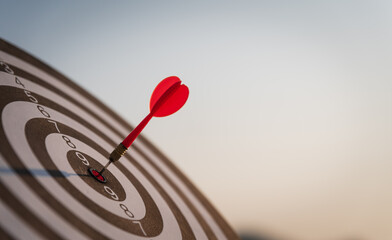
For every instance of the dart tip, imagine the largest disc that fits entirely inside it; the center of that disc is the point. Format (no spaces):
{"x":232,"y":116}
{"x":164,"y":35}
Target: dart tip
{"x":104,"y":168}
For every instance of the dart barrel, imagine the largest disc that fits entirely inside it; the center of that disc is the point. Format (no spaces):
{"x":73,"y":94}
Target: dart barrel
{"x":117,"y":153}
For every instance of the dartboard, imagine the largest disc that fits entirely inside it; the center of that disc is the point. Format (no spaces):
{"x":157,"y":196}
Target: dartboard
{"x":51,"y":132}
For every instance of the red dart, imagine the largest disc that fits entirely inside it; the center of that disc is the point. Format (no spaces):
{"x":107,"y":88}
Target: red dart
{"x":168,"y":97}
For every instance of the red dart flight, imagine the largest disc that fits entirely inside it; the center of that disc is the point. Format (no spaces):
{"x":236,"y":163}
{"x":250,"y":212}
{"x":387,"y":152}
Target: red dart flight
{"x":168,"y":97}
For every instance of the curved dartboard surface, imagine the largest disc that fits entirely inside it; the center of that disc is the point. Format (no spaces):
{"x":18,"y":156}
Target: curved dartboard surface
{"x":51,"y":133}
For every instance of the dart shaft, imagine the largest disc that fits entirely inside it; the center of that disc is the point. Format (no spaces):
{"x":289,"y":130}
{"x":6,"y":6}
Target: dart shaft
{"x":133,"y":135}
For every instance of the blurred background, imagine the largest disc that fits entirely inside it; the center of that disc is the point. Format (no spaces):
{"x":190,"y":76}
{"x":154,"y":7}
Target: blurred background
{"x":288,"y":128}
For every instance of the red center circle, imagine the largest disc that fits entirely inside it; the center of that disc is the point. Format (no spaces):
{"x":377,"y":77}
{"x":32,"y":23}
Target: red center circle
{"x":97,"y":175}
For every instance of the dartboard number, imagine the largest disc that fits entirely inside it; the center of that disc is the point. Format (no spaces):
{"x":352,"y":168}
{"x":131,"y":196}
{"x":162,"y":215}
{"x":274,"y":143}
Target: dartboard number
{"x":6,"y":67}
{"x":10,"y":71}
{"x":82,"y":158}
{"x":111,"y":193}
{"x":43,"y":112}
{"x":55,"y":124}
{"x":140,"y":225}
{"x":68,"y":141}
{"x":17,"y":81}
{"x":127,"y":212}
{"x":29,"y":95}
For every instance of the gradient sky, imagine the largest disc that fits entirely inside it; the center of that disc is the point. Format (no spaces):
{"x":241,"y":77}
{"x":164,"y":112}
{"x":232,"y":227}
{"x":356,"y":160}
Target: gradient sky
{"x":288,"y":128}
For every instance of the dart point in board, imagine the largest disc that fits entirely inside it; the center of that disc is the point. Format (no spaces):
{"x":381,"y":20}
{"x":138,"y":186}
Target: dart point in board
{"x":97,"y":175}
{"x":167,"y":98}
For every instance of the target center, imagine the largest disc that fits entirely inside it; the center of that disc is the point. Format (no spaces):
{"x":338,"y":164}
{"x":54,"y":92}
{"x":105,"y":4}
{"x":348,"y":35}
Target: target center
{"x":97,"y":175}
{"x":86,"y":167}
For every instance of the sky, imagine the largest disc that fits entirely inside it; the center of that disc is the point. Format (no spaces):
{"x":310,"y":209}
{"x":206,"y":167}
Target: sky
{"x":288,"y":126}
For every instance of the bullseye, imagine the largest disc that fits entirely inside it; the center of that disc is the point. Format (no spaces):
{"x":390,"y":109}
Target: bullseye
{"x":97,"y":175}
